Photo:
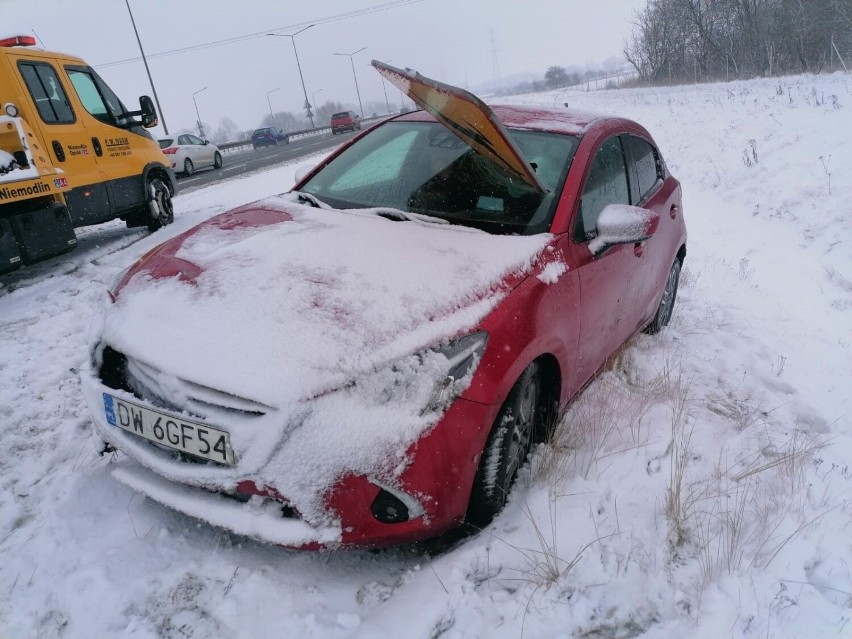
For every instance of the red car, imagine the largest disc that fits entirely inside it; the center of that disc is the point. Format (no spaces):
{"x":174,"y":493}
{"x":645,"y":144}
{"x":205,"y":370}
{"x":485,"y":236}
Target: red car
{"x":368,"y":359}
{"x":345,"y":121}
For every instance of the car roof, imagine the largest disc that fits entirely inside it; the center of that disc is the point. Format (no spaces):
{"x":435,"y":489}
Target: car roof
{"x":535,"y":118}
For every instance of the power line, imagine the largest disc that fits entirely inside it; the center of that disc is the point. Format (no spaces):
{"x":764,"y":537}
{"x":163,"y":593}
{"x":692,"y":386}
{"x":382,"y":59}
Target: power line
{"x":216,"y":43}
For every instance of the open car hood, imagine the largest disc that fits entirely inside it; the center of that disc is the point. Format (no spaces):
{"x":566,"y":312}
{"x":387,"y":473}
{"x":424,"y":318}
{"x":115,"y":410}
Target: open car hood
{"x":466,"y":116}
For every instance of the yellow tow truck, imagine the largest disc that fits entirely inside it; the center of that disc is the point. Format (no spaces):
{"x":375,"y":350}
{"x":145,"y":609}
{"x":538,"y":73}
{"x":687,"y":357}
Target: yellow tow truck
{"x":71,"y":155}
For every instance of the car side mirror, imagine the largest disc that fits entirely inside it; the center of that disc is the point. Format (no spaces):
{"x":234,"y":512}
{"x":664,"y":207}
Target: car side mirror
{"x":148,"y":112}
{"x":303,"y":171}
{"x":206,"y":142}
{"x":623,"y":224}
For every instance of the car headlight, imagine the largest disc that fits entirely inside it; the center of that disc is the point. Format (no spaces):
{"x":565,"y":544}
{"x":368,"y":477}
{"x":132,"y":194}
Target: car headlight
{"x":462,"y":355}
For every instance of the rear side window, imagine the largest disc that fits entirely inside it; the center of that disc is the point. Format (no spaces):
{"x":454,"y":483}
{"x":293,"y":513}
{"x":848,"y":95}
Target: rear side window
{"x":47,"y":92}
{"x":607,"y":184}
{"x":648,"y":167}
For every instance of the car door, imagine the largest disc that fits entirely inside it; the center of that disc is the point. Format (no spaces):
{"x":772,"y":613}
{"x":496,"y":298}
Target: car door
{"x":203,"y":151}
{"x":649,"y":190}
{"x":119,"y":154}
{"x":607,"y":297}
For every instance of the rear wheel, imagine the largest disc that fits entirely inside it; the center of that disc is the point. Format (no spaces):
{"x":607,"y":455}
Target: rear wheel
{"x":664,"y":310}
{"x":188,"y":167}
{"x":161,"y":211}
{"x":508,"y":445}
{"x":217,"y":160}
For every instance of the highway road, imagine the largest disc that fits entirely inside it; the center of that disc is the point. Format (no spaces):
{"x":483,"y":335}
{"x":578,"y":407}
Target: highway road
{"x":249,"y":160}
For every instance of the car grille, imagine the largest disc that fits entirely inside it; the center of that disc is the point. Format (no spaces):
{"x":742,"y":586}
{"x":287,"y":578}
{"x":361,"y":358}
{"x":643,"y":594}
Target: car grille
{"x":145,"y":382}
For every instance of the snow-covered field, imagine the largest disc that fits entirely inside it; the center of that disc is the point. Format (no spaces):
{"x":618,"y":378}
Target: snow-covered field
{"x":701,"y":487}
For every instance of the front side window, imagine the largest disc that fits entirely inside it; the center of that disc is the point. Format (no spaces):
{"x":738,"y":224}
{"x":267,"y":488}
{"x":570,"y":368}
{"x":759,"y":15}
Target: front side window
{"x":422,"y":167}
{"x":194,"y":139}
{"x":97,"y":98}
{"x":648,"y":167}
{"x":46,"y":91}
{"x":606,"y":184}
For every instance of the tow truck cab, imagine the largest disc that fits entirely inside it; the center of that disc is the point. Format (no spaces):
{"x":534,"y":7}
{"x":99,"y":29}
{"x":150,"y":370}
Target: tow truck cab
{"x":71,"y":155}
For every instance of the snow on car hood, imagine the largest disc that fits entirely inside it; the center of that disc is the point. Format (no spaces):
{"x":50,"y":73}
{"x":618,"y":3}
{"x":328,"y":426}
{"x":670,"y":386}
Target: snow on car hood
{"x":317,"y":316}
{"x":282,"y":312}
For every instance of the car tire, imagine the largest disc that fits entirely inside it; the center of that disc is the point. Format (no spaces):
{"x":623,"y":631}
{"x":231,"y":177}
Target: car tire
{"x":160,"y":208}
{"x":188,"y":167}
{"x":217,"y":160}
{"x":667,"y":301}
{"x":521,"y":417}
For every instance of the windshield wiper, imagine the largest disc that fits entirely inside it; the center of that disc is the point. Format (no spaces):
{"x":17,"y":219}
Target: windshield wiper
{"x":397,"y":215}
{"x":307,"y":198}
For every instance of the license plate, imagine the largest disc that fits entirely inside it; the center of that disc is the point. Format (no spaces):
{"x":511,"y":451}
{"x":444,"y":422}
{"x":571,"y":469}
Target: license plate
{"x":177,"y":433}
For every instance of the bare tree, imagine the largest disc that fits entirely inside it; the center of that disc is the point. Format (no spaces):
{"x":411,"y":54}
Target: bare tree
{"x":228,"y":131}
{"x":688,"y":39}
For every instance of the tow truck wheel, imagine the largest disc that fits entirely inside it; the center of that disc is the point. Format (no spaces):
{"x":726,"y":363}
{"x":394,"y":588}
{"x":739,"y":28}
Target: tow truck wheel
{"x":159,"y":204}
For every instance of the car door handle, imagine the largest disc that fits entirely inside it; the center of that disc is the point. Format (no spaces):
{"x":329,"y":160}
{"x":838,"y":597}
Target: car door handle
{"x":674,"y":211}
{"x":639,"y":249}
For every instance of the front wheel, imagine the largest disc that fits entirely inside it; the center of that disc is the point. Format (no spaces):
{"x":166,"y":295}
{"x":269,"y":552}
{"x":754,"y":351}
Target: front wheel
{"x":217,"y":160}
{"x":507,"y":447}
{"x":160,"y":206}
{"x":667,"y":301}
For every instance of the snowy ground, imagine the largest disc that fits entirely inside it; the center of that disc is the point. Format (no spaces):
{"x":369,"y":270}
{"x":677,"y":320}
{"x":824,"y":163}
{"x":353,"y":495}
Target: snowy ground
{"x":701,"y":487}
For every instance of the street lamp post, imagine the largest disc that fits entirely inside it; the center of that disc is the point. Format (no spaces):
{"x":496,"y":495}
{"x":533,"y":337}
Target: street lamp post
{"x":147,"y":70}
{"x":361,"y":106}
{"x":269,"y":102}
{"x":197,"y":115}
{"x":292,"y":37}
{"x":383,"y":87}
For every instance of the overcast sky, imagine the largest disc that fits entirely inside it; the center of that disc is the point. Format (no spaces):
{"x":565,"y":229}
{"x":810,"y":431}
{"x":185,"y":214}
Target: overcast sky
{"x":462,"y":42}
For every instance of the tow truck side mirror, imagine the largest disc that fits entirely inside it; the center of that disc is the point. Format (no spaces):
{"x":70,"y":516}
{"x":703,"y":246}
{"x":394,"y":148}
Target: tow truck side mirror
{"x":149,"y":113}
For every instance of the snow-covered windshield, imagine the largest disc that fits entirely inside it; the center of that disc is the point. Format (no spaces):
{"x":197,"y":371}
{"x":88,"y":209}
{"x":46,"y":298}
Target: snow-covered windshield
{"x":421,"y":167}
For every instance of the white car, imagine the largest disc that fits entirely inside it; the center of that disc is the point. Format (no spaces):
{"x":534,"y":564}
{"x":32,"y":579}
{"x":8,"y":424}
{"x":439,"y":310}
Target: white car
{"x":188,"y":152}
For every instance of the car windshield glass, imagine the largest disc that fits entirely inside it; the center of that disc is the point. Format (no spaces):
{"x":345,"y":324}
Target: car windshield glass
{"x":165,"y":143}
{"x":422,"y":167}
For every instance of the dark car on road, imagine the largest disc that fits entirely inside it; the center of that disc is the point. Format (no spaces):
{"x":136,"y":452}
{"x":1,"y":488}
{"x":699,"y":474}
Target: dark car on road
{"x":268,"y":136}
{"x":345,"y":121}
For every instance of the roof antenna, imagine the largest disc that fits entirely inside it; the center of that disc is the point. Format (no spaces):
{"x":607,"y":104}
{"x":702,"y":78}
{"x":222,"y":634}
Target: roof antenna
{"x":38,"y":37}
